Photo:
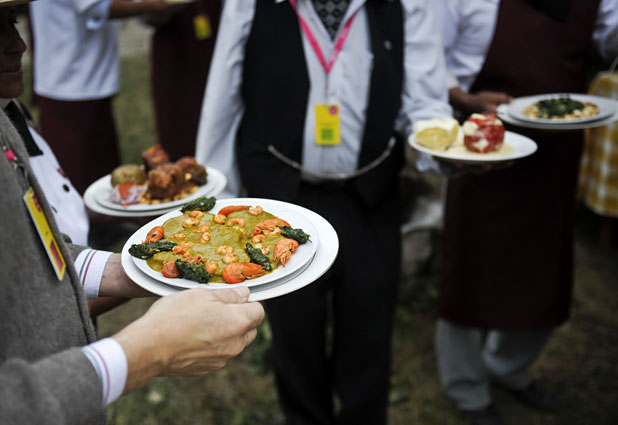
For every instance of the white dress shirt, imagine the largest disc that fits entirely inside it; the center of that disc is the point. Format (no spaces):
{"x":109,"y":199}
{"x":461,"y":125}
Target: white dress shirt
{"x":75,"y":49}
{"x":424,"y":95}
{"x":468,"y":28}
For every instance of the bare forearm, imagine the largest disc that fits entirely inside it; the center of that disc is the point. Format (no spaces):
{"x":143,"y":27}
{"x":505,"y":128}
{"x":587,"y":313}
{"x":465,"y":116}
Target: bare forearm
{"x":115,"y":282}
{"x":459,"y":99}
{"x":142,"y":354}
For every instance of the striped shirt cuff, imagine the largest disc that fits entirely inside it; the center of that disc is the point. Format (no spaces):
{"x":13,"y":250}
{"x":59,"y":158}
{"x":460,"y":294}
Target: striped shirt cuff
{"x":90,"y":264}
{"x":110,"y":363}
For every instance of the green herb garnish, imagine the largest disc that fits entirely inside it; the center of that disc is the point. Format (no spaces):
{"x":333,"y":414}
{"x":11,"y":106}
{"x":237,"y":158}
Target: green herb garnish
{"x":200,"y":204}
{"x":256,"y":256}
{"x":297,"y":234}
{"x":147,"y":250}
{"x":558,"y":107}
{"x":196,"y":272}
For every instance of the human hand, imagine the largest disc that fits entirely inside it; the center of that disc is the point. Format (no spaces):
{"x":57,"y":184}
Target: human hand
{"x":193,"y":332}
{"x":480,"y":102}
{"x":488,"y":101}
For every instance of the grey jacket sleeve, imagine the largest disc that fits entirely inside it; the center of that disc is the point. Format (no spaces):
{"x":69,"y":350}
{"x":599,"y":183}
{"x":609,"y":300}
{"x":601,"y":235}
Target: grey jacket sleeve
{"x":61,"y":389}
{"x":44,"y":377}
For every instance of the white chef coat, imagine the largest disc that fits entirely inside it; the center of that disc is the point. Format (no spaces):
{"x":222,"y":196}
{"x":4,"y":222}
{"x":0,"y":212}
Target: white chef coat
{"x":468,"y":27}
{"x":66,"y":203}
{"x":75,"y":49}
{"x":64,"y":200}
{"x":424,"y":95}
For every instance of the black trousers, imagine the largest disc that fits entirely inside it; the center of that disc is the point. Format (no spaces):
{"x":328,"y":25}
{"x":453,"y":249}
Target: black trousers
{"x":353,"y":362}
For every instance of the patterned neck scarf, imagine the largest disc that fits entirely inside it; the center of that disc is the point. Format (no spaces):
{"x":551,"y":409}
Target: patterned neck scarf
{"x":331,"y":12}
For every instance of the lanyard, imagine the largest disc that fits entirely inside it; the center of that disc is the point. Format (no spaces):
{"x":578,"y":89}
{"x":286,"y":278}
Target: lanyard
{"x":314,"y":43}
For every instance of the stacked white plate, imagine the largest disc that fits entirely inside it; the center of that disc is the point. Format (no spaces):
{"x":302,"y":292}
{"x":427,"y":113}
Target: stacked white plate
{"x":98,"y":197}
{"x":513,"y":113}
{"x":310,"y":261}
{"x":516,"y":146}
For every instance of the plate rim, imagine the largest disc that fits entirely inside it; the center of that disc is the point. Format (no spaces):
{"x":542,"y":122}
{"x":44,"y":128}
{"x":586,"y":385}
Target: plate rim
{"x":93,"y":205}
{"x":325,"y":257}
{"x":474,"y":159}
{"x":139,"y":235}
{"x":202,"y":190}
{"x":528,"y":100}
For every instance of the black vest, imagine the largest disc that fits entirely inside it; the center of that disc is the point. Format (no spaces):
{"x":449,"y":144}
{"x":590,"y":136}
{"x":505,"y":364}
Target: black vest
{"x":275,"y":90}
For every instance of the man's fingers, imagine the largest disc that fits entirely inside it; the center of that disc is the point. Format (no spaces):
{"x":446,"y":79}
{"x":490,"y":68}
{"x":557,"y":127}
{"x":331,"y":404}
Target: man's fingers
{"x":254,"y":312}
{"x":236,"y":295}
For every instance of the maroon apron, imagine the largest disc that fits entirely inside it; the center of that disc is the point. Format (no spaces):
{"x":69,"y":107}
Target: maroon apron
{"x":508,"y":241}
{"x":180,"y":65}
{"x":82,"y":134}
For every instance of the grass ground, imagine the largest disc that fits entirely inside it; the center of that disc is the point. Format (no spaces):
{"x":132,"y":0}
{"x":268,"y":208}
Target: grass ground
{"x":579,"y":364}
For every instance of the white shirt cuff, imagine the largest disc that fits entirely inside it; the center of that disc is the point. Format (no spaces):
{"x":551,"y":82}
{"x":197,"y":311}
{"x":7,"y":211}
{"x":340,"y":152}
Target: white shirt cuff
{"x":90,"y":264}
{"x":451,"y":81}
{"x":110,"y":362}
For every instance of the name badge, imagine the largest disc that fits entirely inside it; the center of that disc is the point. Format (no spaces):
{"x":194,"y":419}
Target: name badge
{"x":201,"y":24}
{"x":45,"y":233}
{"x":327,"y":125}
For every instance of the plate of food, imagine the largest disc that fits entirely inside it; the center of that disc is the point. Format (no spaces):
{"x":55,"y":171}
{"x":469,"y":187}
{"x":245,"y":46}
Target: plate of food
{"x":325,"y":255}
{"x":481,"y":139}
{"x":156,"y":184}
{"x":218,"y":243}
{"x":561,"y":108}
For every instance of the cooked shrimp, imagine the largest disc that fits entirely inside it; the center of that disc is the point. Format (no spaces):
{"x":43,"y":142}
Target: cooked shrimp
{"x":232,"y":208}
{"x":211,"y":266}
{"x":269,"y":225}
{"x":238,"y":272}
{"x":169,"y":269}
{"x":284,"y":249}
{"x":202,"y":229}
{"x":224,"y":249}
{"x":230,"y":258}
{"x":155,"y":234}
{"x":180,"y":251}
{"x":196,"y":214}
{"x":205,"y":238}
{"x":190,"y":222}
{"x":233,"y":221}
{"x":196,"y":259}
{"x":219,"y":218}
{"x":179,"y":236}
{"x":256,"y":211}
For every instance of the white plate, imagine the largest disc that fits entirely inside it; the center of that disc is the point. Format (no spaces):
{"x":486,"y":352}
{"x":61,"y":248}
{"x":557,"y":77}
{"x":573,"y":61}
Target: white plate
{"x":104,"y":192}
{"x":300,"y":258}
{"x":515,"y":146}
{"x":607,"y":107}
{"x":103,"y":183}
{"x":325,"y":255}
{"x":503,"y":114}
